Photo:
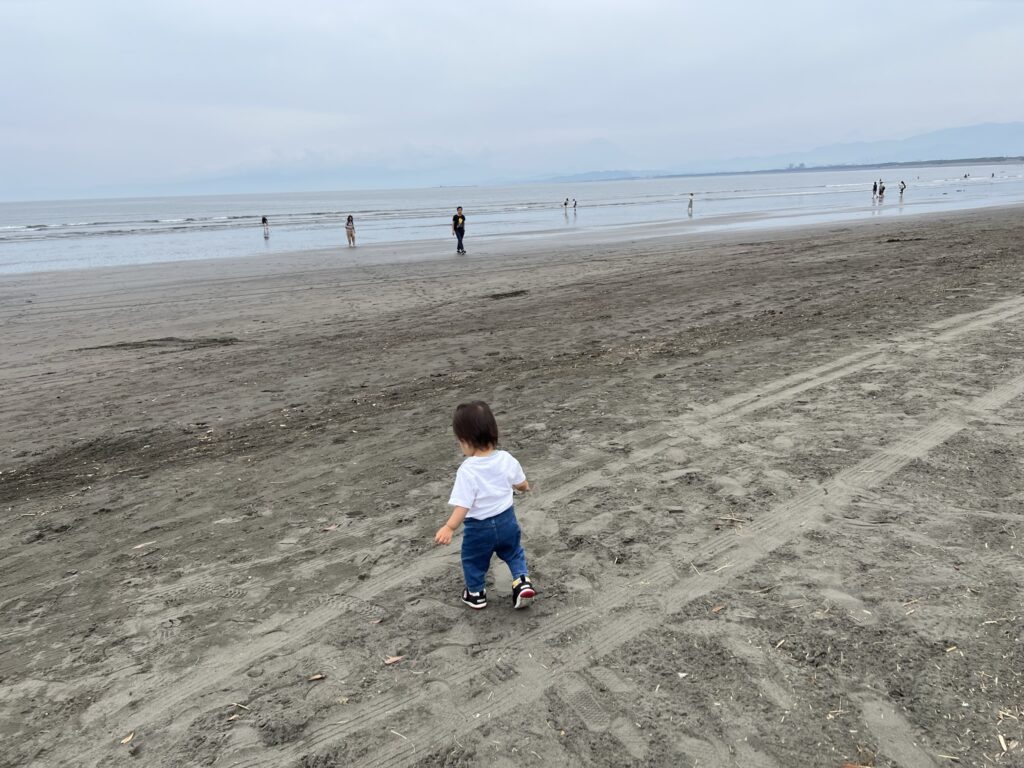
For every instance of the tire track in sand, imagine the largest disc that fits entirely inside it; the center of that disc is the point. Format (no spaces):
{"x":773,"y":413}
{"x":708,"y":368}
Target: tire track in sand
{"x":276,"y":635}
{"x":733,"y":553}
{"x":736,"y":552}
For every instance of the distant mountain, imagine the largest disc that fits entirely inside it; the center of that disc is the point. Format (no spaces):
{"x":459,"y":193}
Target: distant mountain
{"x":988,"y":140}
{"x":985,"y":140}
{"x":570,"y":161}
{"x":605,"y":176}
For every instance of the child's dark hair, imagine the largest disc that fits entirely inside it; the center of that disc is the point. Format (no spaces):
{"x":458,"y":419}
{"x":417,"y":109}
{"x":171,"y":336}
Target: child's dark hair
{"x":474,"y":424}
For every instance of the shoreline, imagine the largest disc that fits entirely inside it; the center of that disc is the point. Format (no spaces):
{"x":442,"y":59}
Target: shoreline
{"x":512,"y":245}
{"x":778,"y":511}
{"x":82,"y":235}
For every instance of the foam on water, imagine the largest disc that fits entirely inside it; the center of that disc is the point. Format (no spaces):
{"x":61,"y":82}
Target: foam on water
{"x":75,"y":234}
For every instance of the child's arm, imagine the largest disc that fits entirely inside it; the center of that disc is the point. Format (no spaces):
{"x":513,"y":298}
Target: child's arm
{"x":522,"y":487}
{"x":444,"y":533}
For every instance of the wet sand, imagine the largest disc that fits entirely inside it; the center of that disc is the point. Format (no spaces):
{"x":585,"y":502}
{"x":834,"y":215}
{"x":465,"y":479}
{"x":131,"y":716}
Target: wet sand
{"x":778,"y":522}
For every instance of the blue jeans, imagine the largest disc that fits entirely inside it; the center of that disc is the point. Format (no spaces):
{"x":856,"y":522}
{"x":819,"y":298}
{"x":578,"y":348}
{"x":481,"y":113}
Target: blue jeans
{"x":496,"y":535}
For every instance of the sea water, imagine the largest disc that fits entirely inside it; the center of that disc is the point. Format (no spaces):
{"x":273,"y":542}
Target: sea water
{"x":75,"y":234}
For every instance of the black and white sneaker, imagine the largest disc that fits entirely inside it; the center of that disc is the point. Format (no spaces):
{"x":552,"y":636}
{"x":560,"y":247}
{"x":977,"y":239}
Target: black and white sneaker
{"x":522,"y":592}
{"x":475,"y":600}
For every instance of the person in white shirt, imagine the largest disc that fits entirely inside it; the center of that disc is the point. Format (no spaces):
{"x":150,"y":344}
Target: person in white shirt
{"x":482,"y":497}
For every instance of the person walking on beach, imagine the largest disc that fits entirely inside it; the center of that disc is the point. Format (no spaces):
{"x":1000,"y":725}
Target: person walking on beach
{"x":266,"y":228}
{"x":881,"y":191}
{"x":350,"y":231}
{"x":689,"y":206}
{"x":459,"y":229}
{"x":482,"y":497}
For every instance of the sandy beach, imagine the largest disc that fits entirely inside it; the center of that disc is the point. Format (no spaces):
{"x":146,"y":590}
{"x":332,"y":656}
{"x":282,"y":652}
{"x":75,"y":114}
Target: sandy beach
{"x":778,"y":522}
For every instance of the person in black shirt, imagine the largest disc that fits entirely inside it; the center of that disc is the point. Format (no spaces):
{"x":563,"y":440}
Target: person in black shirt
{"x":459,"y":228}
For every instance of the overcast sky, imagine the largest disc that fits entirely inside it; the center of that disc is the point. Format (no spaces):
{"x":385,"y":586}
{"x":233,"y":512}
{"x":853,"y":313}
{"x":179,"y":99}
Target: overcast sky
{"x":136,"y":95}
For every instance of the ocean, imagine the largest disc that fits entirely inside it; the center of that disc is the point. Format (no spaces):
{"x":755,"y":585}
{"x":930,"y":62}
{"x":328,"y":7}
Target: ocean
{"x":82,"y":234}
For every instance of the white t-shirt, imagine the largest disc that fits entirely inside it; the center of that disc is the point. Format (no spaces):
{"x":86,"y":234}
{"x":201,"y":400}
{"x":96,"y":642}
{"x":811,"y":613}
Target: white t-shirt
{"x":483,"y":484}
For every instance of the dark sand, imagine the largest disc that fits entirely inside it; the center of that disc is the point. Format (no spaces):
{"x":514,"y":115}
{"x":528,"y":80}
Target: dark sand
{"x":779,"y":523}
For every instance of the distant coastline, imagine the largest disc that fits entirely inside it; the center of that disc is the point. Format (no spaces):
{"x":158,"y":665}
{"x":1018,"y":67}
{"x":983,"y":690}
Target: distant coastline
{"x":1001,"y":160}
{"x":591,"y":176}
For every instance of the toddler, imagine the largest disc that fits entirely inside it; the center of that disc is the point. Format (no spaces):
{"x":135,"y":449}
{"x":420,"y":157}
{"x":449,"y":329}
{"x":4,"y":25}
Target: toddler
{"x":482,"y":497}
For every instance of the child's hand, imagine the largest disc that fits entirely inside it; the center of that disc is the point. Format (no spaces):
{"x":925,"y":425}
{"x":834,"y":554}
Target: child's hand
{"x":443,"y":535}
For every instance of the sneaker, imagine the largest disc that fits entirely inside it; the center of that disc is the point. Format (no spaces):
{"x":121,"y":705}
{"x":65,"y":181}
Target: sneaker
{"x":475,"y":600}
{"x":522,"y":592}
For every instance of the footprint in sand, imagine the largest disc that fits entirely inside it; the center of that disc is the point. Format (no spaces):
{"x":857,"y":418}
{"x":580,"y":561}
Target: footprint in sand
{"x":783,"y":443}
{"x":728,"y":486}
{"x":854,"y":607}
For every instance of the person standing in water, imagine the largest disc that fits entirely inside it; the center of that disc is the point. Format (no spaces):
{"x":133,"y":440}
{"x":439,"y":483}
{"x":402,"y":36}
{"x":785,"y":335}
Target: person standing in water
{"x":903,"y":186}
{"x":350,"y":231}
{"x":689,"y":206}
{"x":874,"y":190}
{"x":266,"y":228}
{"x":459,"y":229}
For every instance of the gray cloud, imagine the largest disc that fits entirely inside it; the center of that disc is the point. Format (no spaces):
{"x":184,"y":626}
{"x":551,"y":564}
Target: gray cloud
{"x":135,"y":95}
